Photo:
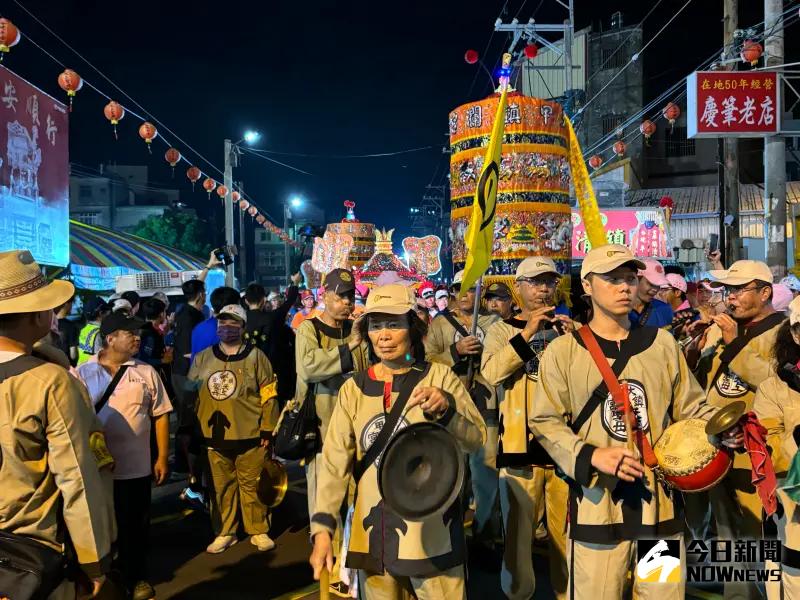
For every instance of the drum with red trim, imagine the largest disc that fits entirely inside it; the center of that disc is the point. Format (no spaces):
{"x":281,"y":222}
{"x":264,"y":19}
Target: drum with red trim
{"x":687,"y":460}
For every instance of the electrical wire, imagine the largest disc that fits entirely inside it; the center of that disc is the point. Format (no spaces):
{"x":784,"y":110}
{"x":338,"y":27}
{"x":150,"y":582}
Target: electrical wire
{"x":344,"y":156}
{"x":272,"y":160}
{"x":485,"y":50}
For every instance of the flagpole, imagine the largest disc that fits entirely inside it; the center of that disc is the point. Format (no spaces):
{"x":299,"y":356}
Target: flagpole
{"x":474,"y":330}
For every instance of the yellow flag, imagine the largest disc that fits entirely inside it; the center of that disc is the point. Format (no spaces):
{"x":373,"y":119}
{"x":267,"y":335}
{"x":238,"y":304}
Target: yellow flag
{"x":479,"y":237}
{"x":587,"y":202}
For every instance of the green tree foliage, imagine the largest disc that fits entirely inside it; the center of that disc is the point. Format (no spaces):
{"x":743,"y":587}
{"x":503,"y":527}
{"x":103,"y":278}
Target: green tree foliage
{"x":175,"y":228}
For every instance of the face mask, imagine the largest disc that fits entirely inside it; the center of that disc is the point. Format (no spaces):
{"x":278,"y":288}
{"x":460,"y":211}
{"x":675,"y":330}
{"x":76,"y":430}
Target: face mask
{"x":229,"y":333}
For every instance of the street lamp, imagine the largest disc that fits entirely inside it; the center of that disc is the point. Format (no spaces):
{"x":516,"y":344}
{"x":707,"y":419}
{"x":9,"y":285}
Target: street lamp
{"x":251,"y":137}
{"x":295,"y":202}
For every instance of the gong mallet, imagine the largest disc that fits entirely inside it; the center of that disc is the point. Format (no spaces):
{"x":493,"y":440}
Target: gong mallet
{"x":325,"y":584}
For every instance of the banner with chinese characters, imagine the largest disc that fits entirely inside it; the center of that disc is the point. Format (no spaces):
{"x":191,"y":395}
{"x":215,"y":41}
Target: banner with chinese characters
{"x":34,"y":171}
{"x":644,"y":231}
{"x":732,"y":104}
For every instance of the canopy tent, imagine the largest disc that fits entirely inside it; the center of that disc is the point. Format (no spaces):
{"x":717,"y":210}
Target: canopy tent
{"x":99,"y":255}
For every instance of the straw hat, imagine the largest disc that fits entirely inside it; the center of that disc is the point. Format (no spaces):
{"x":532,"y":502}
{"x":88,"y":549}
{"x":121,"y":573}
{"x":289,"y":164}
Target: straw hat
{"x":25,"y":289}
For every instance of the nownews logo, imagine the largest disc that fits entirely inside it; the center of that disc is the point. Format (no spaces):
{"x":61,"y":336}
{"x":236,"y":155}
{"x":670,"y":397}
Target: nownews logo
{"x":717,"y":561}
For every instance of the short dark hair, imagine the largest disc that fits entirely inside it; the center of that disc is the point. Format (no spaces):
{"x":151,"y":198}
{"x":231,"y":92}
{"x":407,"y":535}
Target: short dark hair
{"x":192,"y":289}
{"x":786,"y":349}
{"x":417,"y":330}
{"x":152,"y":308}
{"x":131,"y":297}
{"x":9,"y":323}
{"x":222,"y":297}
{"x":255,"y":293}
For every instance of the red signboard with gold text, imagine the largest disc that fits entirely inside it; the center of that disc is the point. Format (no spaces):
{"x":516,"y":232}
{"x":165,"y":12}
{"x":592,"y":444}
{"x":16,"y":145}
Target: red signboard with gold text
{"x":732,"y":104}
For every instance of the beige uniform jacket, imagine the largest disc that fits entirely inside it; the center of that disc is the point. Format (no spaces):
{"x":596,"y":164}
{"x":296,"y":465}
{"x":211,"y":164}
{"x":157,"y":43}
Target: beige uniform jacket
{"x":380,"y":540}
{"x":777,"y":406}
{"x":323,"y":360}
{"x":440,"y":347}
{"x":48,"y":472}
{"x":511,"y":366}
{"x":237,"y":402}
{"x":662,"y":391}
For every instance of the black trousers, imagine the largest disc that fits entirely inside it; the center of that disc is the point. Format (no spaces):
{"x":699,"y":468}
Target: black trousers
{"x":132,"y":510}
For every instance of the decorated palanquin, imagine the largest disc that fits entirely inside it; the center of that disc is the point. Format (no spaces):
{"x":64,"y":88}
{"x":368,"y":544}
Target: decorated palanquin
{"x":424,"y":254}
{"x":533,"y":212}
{"x":363,"y":235}
{"x":385,"y":267}
{"x":331,"y":252}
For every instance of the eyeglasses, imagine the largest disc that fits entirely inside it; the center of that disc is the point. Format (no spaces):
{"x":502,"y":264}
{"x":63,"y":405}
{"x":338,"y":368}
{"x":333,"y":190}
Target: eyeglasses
{"x":733,"y":291}
{"x":549,"y":282}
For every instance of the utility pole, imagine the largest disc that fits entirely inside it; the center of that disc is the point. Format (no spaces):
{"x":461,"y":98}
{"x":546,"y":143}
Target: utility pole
{"x":775,"y":151}
{"x":242,"y":242}
{"x":230,"y":160}
{"x":286,"y":243}
{"x":729,"y":240}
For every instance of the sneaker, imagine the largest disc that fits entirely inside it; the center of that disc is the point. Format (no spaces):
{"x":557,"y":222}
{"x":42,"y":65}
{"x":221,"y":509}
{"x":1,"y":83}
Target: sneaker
{"x":143,"y":591}
{"x":262,"y":541}
{"x":221,"y":543}
{"x":193,"y":498}
{"x":340,"y":589}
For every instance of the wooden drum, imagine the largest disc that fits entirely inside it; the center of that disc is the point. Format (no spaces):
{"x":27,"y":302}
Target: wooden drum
{"x":686,"y":458}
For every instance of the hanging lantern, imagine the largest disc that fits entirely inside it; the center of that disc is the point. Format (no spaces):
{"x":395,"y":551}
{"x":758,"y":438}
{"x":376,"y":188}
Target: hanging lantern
{"x":9,"y":37}
{"x":252,"y":211}
{"x":531,"y":51}
{"x":596,"y":161}
{"x":209,"y":185}
{"x":172,"y":156}
{"x":260,"y":219}
{"x":244,"y":204}
{"x":751,"y":52}
{"x":148,"y":132}
{"x":235,"y":196}
{"x":471,"y":57}
{"x":222,"y":191}
{"x":114,"y":113}
{"x":194,"y":174}
{"x":70,"y":82}
{"x":671,"y":113}
{"x":266,"y":226}
{"x":647,"y":129}
{"x":619,"y":148}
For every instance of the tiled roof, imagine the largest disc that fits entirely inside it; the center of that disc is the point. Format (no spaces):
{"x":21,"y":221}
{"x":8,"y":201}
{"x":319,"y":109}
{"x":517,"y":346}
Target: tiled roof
{"x":705,"y":198}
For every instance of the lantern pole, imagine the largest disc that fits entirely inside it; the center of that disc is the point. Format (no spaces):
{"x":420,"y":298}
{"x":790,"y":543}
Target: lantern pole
{"x":228,"y":208}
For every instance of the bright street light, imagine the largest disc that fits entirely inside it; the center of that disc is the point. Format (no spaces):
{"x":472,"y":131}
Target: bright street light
{"x":251,"y":137}
{"x":296,"y":202}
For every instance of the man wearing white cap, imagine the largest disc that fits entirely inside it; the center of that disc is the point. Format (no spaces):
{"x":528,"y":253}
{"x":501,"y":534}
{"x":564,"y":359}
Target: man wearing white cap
{"x":648,"y":310}
{"x":450,"y":342}
{"x":442,"y":301}
{"x":735,"y":358}
{"x":528,"y":482}
{"x":615,"y":500}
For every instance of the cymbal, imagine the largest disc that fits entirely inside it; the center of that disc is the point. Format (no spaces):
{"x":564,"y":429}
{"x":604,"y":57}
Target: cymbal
{"x":272,"y":483}
{"x":726,"y":417}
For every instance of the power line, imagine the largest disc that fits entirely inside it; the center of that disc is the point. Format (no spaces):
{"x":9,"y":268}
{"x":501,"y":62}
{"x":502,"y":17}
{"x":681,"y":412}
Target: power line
{"x":344,"y":156}
{"x":485,"y":50}
{"x":272,"y":160}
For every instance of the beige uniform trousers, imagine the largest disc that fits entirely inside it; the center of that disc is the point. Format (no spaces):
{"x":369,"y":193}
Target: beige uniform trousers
{"x":523,"y":493}
{"x":484,"y":476}
{"x":447,"y":586}
{"x":603,"y":572}
{"x":235,"y":483}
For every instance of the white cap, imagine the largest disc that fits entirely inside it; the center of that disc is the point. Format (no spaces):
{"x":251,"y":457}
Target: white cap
{"x":121,"y":304}
{"x":233,"y":311}
{"x":458,"y":277}
{"x":441,"y":294}
{"x":743,"y":272}
{"x":533,"y":266}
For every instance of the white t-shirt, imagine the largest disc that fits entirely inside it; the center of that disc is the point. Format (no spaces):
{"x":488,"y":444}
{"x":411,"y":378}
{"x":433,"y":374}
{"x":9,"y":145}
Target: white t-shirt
{"x":126,"y":417}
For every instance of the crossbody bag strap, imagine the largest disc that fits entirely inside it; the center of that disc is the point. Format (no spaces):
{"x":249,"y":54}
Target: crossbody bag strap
{"x":619,"y":392}
{"x":110,"y":388}
{"x":457,"y":325}
{"x":407,"y":385}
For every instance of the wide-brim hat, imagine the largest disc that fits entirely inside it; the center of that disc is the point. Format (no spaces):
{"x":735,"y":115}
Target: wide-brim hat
{"x":25,"y":289}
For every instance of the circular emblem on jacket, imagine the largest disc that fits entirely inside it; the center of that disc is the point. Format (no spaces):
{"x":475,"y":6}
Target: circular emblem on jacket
{"x":222,"y":385}
{"x":613,"y":421}
{"x":730,"y":385}
{"x":373,"y":428}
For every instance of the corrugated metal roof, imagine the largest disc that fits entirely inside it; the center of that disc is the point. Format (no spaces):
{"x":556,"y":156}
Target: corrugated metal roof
{"x":705,"y":198}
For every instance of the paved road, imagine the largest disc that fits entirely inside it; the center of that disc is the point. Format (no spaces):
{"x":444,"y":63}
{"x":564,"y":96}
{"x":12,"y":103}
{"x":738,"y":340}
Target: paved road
{"x":181,"y":570}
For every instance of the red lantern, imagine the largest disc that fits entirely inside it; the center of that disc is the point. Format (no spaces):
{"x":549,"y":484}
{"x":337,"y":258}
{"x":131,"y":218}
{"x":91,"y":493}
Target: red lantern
{"x":70,"y":82}
{"x":647,"y":129}
{"x":471,"y":56}
{"x":619,"y":148}
{"x":260,"y":219}
{"x":114,"y":113}
{"x":671,"y":113}
{"x":751,"y":52}
{"x":209,"y":185}
{"x":235,"y":196}
{"x":266,"y":226}
{"x":596,"y":161}
{"x":148,"y":132}
{"x":222,"y":191}
{"x":172,"y":156}
{"x":244,"y":204}
{"x":194,"y":174}
{"x":9,"y":36}
{"x":252,"y":211}
{"x":531,"y":51}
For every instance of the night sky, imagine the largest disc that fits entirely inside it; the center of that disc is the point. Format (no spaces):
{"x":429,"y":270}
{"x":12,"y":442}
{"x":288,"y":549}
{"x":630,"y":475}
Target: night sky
{"x":315,"y":78}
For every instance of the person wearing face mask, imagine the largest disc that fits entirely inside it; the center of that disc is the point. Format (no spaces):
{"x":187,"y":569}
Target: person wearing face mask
{"x":237,"y":410}
{"x":327,"y":348}
{"x":529,"y":484}
{"x":647,"y":310}
{"x":427,"y":559}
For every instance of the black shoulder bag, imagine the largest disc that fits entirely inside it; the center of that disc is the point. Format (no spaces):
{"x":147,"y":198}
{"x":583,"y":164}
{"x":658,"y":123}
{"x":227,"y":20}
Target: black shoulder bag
{"x":298,"y":437}
{"x":29,"y":570}
{"x":112,"y":385}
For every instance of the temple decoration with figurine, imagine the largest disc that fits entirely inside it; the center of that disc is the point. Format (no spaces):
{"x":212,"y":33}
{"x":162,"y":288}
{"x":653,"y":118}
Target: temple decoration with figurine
{"x":423,"y":254}
{"x":363,"y":235}
{"x":385,"y":267}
